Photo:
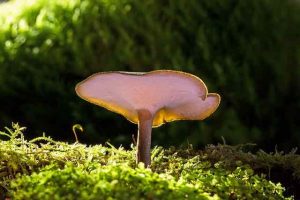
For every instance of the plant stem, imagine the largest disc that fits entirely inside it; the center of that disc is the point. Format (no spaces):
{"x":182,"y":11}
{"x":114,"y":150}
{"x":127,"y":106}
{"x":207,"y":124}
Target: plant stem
{"x":144,"y":137}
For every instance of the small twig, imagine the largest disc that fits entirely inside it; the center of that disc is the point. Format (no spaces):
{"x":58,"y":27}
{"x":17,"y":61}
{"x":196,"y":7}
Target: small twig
{"x":76,"y":126}
{"x":224,"y":141}
{"x":133,"y":139}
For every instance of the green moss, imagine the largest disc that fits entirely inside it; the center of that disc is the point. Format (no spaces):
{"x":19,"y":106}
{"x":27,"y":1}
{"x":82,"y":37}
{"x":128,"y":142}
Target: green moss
{"x":95,"y":181}
{"x":46,"y":169}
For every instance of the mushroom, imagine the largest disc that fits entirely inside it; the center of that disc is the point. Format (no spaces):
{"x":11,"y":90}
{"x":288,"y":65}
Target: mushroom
{"x":149,"y":100}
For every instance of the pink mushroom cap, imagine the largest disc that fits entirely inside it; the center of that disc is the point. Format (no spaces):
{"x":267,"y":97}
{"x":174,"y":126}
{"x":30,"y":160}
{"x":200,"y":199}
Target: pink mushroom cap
{"x":168,"y":95}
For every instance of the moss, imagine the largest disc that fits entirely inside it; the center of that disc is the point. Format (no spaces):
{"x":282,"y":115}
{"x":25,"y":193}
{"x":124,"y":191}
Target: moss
{"x":47,"y":169}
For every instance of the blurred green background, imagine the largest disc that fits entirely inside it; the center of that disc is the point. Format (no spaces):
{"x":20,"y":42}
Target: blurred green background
{"x":246,"y":50}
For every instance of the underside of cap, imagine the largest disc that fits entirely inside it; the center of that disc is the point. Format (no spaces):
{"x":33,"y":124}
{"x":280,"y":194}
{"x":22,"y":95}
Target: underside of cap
{"x":194,"y":110}
{"x":168,"y":95}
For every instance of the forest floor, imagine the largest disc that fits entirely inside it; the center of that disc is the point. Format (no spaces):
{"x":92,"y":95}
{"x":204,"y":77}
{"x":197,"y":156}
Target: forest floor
{"x":46,"y":169}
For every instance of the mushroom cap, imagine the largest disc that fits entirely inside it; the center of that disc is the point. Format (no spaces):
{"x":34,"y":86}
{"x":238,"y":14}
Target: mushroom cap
{"x":168,"y":95}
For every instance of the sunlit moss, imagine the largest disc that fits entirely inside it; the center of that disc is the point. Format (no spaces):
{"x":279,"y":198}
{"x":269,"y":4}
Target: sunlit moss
{"x":46,"y":169}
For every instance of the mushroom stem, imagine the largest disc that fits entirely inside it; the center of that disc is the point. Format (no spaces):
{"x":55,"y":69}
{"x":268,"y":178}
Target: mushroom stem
{"x":144,"y":137}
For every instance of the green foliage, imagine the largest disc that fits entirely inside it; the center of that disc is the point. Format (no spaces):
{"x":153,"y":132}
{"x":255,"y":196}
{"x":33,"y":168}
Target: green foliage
{"x":258,"y":161}
{"x":57,"y":170}
{"x":103,"y":182}
{"x":122,"y":182}
{"x":247,"y":50}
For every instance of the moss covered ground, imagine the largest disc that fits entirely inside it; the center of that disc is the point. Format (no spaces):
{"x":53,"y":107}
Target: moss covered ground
{"x":45,"y":169}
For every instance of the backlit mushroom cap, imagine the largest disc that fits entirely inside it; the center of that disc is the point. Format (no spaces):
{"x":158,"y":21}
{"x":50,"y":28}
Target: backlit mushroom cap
{"x":168,"y":95}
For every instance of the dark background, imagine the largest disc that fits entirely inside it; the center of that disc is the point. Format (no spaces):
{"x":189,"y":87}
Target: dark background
{"x":248,"y":51}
